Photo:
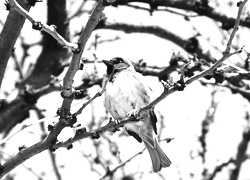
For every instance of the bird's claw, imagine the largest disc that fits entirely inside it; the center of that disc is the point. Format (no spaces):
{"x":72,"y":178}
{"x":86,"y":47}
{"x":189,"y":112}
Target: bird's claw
{"x":134,"y":113}
{"x":117,"y":122}
{"x":115,"y":128}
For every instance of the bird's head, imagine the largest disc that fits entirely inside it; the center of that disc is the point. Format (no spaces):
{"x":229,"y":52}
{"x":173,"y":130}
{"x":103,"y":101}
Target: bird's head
{"x":118,"y":64}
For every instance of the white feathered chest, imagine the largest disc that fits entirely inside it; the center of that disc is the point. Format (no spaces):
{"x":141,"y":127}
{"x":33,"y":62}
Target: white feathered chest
{"x":125,"y":91}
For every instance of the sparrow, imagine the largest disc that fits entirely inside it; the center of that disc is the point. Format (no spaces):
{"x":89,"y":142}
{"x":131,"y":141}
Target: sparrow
{"x":127,"y":91}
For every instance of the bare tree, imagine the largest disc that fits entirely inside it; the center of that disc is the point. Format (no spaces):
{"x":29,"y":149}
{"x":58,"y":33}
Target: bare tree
{"x":60,"y":59}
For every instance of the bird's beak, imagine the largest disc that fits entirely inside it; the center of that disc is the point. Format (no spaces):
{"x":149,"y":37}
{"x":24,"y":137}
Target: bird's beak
{"x":107,"y":63}
{"x":110,"y":66}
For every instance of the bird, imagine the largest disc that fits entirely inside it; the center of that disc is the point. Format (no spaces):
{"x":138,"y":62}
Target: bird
{"x":127,"y":91}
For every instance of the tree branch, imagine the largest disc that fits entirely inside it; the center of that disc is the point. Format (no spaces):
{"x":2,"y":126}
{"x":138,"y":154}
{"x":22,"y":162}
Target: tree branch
{"x":54,"y":131}
{"x":169,"y":90}
{"x":37,"y":25}
{"x":162,"y":33}
{"x":241,"y":155}
{"x":201,"y":9}
{"x":74,"y":65}
{"x":9,"y":34}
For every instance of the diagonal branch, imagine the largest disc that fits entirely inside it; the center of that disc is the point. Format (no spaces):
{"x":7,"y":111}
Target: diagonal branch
{"x":9,"y":34}
{"x":241,"y":154}
{"x":37,"y":25}
{"x":162,"y":33}
{"x":202,"y":9}
{"x":167,"y":91}
{"x":74,"y":65}
{"x":226,"y":55}
{"x":51,"y":139}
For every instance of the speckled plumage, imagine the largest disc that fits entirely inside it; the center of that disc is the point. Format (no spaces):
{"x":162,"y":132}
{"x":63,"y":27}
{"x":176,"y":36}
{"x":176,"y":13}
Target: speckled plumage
{"x":126,"y":91}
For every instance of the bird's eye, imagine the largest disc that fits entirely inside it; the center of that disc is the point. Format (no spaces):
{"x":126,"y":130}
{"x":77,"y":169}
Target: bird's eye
{"x":120,"y":60}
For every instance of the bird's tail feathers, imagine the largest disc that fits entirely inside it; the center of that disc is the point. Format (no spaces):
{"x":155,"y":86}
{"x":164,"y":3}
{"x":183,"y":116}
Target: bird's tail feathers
{"x":165,"y":161}
{"x":158,"y":157}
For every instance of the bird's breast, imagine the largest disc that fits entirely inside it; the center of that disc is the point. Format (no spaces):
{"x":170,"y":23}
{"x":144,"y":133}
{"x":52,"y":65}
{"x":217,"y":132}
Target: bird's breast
{"x":124,"y":93}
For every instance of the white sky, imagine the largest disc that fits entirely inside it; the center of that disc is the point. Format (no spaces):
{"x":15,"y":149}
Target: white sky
{"x":183,"y":111}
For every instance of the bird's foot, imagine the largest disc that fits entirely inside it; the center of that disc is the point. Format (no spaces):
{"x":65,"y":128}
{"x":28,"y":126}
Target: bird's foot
{"x":116,"y":126}
{"x":135,"y":113}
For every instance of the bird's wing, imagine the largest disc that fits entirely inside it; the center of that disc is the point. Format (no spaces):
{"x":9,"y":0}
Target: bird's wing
{"x":134,"y":134}
{"x":147,"y":93}
{"x":153,"y":120}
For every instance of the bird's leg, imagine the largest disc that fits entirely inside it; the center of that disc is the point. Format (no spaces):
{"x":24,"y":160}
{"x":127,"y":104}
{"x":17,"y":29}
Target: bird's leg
{"x":116,"y":122}
{"x":134,"y":113}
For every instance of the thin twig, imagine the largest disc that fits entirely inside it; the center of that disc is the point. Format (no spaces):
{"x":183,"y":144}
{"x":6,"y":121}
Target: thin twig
{"x":226,"y":55}
{"x":111,"y":172}
{"x":74,"y":65}
{"x":98,"y":94}
{"x":55,"y":166}
{"x":236,"y":26}
{"x":78,"y":11}
{"x":241,"y":154}
{"x":51,"y":139}
{"x":50,"y":29}
{"x":82,"y":134}
{"x":219,"y":168}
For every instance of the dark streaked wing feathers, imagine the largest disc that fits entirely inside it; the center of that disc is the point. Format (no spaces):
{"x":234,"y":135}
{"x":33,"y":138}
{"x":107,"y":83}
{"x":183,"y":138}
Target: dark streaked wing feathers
{"x":132,"y":133}
{"x":153,"y":120}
